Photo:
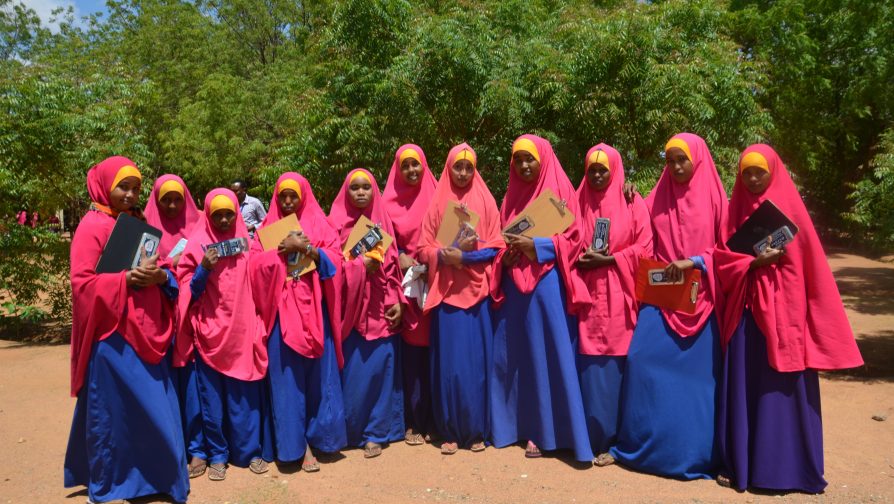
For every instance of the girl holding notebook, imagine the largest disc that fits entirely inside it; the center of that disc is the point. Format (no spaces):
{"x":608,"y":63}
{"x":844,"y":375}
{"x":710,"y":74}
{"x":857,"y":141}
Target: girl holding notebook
{"x":783,"y":321}
{"x":406,"y":197}
{"x":305,"y":388}
{"x":371,"y":308}
{"x":535,"y":394}
{"x":122,"y":325}
{"x":673,"y":364}
{"x":458,"y":299}
{"x":605,"y":270}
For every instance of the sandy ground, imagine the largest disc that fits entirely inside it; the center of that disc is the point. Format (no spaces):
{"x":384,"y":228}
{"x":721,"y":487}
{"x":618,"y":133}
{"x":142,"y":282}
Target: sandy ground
{"x":35,"y":414}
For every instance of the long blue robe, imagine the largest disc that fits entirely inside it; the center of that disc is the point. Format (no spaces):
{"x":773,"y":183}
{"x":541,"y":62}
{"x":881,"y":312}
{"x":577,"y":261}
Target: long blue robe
{"x":373,"y":390}
{"x":601,"y":377}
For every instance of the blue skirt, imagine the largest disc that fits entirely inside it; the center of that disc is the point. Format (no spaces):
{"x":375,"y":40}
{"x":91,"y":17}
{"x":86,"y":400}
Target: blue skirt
{"x":770,"y":429}
{"x":126,"y":439}
{"x":416,"y":370}
{"x":233,"y":417}
{"x":373,"y":394}
{"x":186,"y":383}
{"x":461,"y":343}
{"x":600,"y":384}
{"x":306,"y":398}
{"x":535,"y":393}
{"x":668,"y":400}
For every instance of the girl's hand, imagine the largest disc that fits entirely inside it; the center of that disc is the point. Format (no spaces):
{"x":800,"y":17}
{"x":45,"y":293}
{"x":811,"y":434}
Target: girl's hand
{"x":210,"y":259}
{"x":676,"y":269}
{"x":511,"y":257}
{"x":521,"y":243}
{"x":406,"y":262}
{"x":592,"y":260}
{"x":394,"y":316}
{"x":295,"y":242}
{"x":371,"y":264}
{"x":452,"y":256}
{"x":769,"y":256}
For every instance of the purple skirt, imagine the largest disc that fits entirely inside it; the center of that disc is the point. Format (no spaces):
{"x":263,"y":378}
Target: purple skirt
{"x":770,"y":426}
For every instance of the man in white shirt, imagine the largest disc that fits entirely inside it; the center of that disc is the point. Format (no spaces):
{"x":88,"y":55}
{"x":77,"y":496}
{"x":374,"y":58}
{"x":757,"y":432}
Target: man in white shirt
{"x":253,"y":211}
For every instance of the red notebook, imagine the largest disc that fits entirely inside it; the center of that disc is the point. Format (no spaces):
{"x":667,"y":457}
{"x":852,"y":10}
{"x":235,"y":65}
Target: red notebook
{"x":650,"y":287}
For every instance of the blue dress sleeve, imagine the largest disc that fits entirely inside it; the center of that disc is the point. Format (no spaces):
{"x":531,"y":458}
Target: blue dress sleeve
{"x":199,"y":279}
{"x":699,"y":263}
{"x":325,"y":267}
{"x":171,"y":288}
{"x":545,"y":249}
{"x":479,"y":256}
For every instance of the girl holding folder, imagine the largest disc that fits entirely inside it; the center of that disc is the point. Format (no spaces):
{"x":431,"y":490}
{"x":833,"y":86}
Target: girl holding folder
{"x":406,"y":197}
{"x":371,"y":314}
{"x":783,"y":320}
{"x":305,"y":388}
{"x":221,"y":328}
{"x":458,"y":298}
{"x":126,"y":439}
{"x":535,"y":394}
{"x":673,"y":364}
{"x":606,"y":272}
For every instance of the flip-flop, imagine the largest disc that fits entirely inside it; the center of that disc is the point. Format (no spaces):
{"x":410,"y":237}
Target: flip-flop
{"x":724,"y":481}
{"x":531,"y":451}
{"x":372,"y":450}
{"x":258,"y":466}
{"x":603,"y":459}
{"x":313,"y":466}
{"x":197,"y":470}
{"x":449,"y":448}
{"x":217,"y":472}
{"x":478,"y":447}
{"x":414,"y":439}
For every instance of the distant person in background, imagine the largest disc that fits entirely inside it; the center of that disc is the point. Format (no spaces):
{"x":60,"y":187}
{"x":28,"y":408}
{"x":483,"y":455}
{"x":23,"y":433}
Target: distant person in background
{"x":22,"y":217}
{"x":251,"y":208}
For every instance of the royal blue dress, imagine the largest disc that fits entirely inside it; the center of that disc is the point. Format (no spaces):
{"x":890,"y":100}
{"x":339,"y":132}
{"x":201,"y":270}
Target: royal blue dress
{"x":372,"y":388}
{"x":601,"y":377}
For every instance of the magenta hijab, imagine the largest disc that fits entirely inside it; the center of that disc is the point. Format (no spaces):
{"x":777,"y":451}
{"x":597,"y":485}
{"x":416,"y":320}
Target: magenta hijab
{"x":173,"y":229}
{"x":795,"y":302}
{"x":606,"y":326}
{"x":298,"y":302}
{"x":406,"y":204}
{"x":101,"y":302}
{"x":687,"y":220}
{"x":223,"y":324}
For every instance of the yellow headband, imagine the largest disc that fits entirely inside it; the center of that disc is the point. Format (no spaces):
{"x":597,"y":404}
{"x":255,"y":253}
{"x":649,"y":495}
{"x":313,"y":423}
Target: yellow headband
{"x":754,"y":158}
{"x":526,"y":144}
{"x":598,"y":156}
{"x":221,"y":202}
{"x":358,"y":174}
{"x":124,"y":172}
{"x":289,"y":184}
{"x":680,"y":144}
{"x":467,"y":155}
{"x":409,"y":153}
{"x":168,"y":186}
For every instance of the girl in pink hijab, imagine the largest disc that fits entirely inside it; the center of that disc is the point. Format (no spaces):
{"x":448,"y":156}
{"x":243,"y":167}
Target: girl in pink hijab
{"x":605,"y":271}
{"x":305,"y":388}
{"x":459,"y":279}
{"x":406,"y":197}
{"x":673,"y":363}
{"x":221,"y":328}
{"x":534,"y":390}
{"x":122,"y":325}
{"x":372,"y":308}
{"x":783,"y":321}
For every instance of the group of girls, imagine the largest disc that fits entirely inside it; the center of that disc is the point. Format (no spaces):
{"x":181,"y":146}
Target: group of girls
{"x":193,"y":362}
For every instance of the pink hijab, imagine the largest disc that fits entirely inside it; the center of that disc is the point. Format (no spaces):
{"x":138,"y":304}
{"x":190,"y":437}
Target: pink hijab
{"x":406,"y":204}
{"x":298,"y":302}
{"x":222,"y":325}
{"x":176,"y":228}
{"x":101,"y":302}
{"x":366,"y":297}
{"x":795,"y":302}
{"x":688,"y":220}
{"x":606,"y":326}
{"x":467,"y":286}
{"x":527,"y":273}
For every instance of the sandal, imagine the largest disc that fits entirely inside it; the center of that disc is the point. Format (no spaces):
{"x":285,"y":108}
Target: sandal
{"x":724,"y":481}
{"x":477,"y":446}
{"x":372,"y":450}
{"x":310,"y":463}
{"x":197,"y":467}
{"x":449,"y":448}
{"x":531,"y":451}
{"x":217,"y":472}
{"x":413,"y":438}
{"x":258,"y":465}
{"x":603,"y":459}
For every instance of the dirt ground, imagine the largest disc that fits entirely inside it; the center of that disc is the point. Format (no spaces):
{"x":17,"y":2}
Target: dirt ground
{"x":35,"y":415}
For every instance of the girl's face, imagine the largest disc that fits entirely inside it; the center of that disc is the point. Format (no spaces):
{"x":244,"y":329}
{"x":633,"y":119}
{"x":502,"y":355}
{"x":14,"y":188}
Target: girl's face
{"x":461,"y":173}
{"x":680,"y":166}
{"x":171,"y":204}
{"x":526,"y":166}
{"x":223,"y":220}
{"x":755,"y":179}
{"x":126,"y":194}
{"x":288,"y":201}
{"x":360,"y":193}
{"x":411,"y":171}
{"x":598,"y":176}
